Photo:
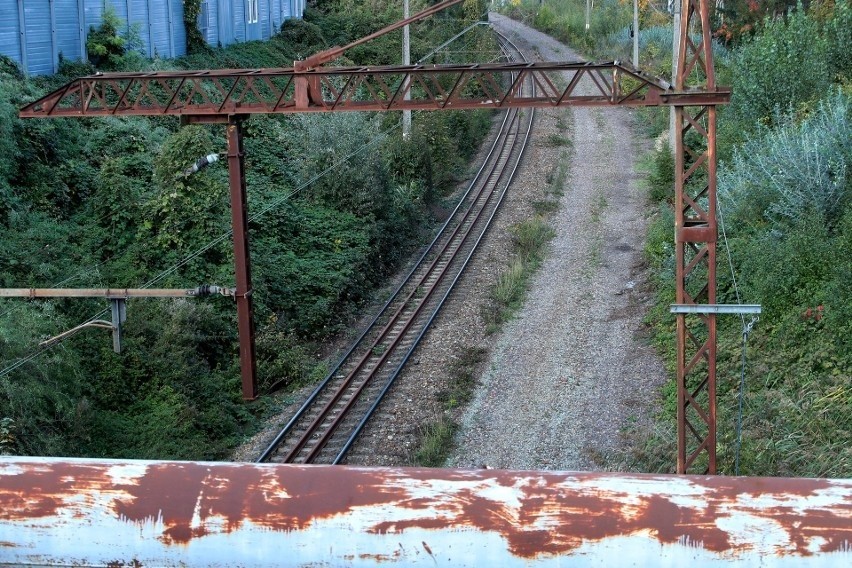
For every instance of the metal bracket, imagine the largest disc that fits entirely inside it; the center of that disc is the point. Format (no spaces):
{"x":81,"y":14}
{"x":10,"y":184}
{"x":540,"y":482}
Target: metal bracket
{"x":119,"y":316}
{"x":715,"y":308}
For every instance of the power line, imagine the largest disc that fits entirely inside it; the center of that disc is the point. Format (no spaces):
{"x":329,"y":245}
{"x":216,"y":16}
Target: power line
{"x":269,"y":207}
{"x":746,"y":330}
{"x":272,"y":205}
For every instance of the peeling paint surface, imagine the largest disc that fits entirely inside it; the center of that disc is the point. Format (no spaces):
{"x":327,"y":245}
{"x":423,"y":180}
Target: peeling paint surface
{"x":111,"y":513}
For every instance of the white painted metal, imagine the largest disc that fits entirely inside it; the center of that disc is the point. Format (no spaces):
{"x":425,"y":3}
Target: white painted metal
{"x":97,"y":513}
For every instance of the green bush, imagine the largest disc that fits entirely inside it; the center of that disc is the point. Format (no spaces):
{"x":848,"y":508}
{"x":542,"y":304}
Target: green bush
{"x":661,"y":180}
{"x":768,"y":74}
{"x":793,"y":170}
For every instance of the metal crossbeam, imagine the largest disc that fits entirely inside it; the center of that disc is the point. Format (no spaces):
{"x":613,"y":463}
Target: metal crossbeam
{"x":113,"y":293}
{"x":430,"y":87}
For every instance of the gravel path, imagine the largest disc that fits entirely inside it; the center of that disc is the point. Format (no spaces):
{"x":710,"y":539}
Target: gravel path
{"x":561,"y":380}
{"x":569,"y":373}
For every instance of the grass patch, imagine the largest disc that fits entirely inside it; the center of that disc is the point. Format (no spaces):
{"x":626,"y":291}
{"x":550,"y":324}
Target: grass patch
{"x":436,"y":442}
{"x":545,"y":206}
{"x":462,"y":378}
{"x":555,"y":139}
{"x":598,"y":207}
{"x":436,"y":438}
{"x":557,"y":176}
{"x":530,"y":239}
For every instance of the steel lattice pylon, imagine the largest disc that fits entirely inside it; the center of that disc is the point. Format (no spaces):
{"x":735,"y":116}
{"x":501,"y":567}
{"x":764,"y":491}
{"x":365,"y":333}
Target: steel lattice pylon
{"x":228,"y":96}
{"x":695,"y":246}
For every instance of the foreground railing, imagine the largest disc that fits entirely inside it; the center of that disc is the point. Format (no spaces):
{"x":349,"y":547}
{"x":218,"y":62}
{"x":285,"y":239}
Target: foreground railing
{"x":99,"y":513}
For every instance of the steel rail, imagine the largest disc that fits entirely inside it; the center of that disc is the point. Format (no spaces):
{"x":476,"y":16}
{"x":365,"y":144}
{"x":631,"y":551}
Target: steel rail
{"x":393,"y":333}
{"x":357,"y":431}
{"x":400,"y":330}
{"x":429,"y":250}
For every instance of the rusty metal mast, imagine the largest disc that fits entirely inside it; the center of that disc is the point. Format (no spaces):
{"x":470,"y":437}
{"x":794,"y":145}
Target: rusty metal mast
{"x":695,"y":246}
{"x":228,"y":96}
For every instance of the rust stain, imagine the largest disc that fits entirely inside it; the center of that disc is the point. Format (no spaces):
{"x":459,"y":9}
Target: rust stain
{"x":274,"y":498}
{"x":584,"y":518}
{"x":43,"y":490}
{"x":6,"y":544}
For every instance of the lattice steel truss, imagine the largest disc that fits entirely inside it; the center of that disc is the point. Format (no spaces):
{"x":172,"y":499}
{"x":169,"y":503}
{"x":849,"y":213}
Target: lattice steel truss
{"x":431,"y":87}
{"x":695,"y":245}
{"x":228,"y":96}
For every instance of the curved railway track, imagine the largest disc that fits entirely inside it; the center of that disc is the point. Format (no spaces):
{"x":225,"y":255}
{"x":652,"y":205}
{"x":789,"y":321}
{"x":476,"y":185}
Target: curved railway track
{"x":329,"y":421}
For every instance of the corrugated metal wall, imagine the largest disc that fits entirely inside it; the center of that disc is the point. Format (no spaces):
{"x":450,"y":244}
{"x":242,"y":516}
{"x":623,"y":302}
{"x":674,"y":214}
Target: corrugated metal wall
{"x":70,"y":33}
{"x":229,"y":19}
{"x":10,"y":43}
{"x":38,"y":35}
{"x":34,"y":33}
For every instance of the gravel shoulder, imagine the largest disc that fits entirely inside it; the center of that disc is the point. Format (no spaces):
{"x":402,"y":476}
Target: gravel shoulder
{"x":563,"y":379}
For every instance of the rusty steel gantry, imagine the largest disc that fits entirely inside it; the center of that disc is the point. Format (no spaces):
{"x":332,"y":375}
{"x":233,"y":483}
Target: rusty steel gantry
{"x":229,"y":96}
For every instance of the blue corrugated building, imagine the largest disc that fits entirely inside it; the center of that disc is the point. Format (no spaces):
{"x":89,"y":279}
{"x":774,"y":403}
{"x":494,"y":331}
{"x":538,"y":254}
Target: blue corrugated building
{"x":34,"y":33}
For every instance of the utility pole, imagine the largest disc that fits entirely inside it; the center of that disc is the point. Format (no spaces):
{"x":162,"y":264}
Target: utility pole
{"x":406,"y":60}
{"x":675,"y":56}
{"x":588,"y":10}
{"x":636,"y":34}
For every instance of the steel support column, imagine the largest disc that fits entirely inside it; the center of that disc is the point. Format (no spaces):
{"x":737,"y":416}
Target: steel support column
{"x":695,"y":247}
{"x":242,"y":266}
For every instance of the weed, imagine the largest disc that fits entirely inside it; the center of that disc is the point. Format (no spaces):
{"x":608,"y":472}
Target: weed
{"x":545,"y":206}
{"x":436,"y":442}
{"x":530,"y":239}
{"x":462,"y":378}
{"x":554,"y":139}
{"x":598,"y":207}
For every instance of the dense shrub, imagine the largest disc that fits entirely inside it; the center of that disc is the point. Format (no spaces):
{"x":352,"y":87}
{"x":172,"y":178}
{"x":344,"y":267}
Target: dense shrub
{"x":795,"y":170}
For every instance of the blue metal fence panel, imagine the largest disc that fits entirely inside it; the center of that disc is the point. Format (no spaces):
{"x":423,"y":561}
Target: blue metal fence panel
{"x":10,"y":31}
{"x":67,"y":18}
{"x":121,"y":8}
{"x":93,"y":13}
{"x":39,"y":41}
{"x":239,"y":11}
{"x":159,"y":28}
{"x":226,"y":21}
{"x":34,"y":32}
{"x":139,"y":18}
{"x":178,"y":30}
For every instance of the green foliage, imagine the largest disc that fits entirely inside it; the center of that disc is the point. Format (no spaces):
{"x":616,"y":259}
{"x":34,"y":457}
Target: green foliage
{"x":838,"y":32}
{"x":312,"y":262}
{"x":303,"y":36}
{"x":104,"y":45}
{"x":436,"y":442}
{"x":10,"y":68}
{"x":794,"y":170}
{"x":105,"y":203}
{"x":186,"y":211}
{"x":661,"y":179}
{"x":530,"y":239}
{"x":769,"y":75}
{"x":194,"y":40}
{"x":740,"y":19}
{"x":7,"y":437}
{"x":566,"y":20}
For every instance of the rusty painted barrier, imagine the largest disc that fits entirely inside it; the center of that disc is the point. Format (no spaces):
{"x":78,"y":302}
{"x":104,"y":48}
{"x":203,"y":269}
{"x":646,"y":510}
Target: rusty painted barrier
{"x":135,"y":513}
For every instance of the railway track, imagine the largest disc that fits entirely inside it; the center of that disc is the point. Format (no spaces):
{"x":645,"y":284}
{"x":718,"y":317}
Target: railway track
{"x":327,"y":424}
